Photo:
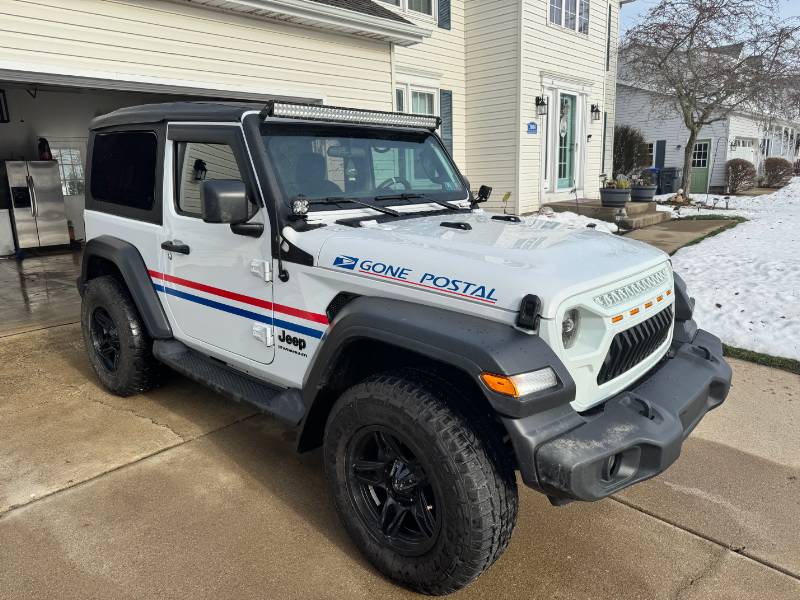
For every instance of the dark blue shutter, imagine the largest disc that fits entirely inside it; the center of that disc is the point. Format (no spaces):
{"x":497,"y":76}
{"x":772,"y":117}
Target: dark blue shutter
{"x":661,"y":153}
{"x":446,"y":108}
{"x":444,"y":14}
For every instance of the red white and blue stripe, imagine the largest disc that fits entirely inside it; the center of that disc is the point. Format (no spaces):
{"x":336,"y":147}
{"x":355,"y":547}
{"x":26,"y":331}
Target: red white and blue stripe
{"x":178,"y":287}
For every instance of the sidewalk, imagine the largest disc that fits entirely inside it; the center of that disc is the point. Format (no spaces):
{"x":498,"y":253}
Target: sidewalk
{"x":674,"y":235}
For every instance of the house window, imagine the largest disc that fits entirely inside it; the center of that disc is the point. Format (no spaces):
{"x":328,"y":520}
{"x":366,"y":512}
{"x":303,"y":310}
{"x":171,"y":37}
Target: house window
{"x":651,"y":154}
{"x":70,"y":167}
{"x":700,"y":155}
{"x":583,"y":17}
{"x":570,"y":14}
{"x":400,"y":100}
{"x":423,"y":103}
{"x":426,"y":7}
{"x":408,"y":98}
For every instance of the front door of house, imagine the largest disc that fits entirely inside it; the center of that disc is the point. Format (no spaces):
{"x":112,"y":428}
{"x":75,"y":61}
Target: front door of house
{"x":566,"y":142}
{"x":700,"y":167}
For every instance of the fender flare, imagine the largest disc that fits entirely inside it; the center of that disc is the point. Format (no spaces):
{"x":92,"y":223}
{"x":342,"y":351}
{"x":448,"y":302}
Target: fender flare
{"x":133,"y":270}
{"x":469,"y":343}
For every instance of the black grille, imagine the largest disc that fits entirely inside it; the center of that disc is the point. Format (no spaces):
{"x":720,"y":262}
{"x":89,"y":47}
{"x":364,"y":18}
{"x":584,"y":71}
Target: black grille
{"x":632,"y":346}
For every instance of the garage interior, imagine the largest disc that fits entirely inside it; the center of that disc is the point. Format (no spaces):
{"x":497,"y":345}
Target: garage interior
{"x":37,"y":285}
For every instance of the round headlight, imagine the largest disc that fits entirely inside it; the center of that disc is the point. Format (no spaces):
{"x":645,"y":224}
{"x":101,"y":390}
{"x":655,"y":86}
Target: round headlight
{"x":569,"y":327}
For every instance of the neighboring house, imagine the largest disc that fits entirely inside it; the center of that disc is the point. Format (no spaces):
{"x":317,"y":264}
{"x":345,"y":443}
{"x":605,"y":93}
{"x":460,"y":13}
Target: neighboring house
{"x":740,"y":135}
{"x":482,"y":64}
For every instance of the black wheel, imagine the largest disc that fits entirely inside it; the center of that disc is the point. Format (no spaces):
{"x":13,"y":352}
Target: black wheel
{"x":427,"y":492}
{"x":116,"y":341}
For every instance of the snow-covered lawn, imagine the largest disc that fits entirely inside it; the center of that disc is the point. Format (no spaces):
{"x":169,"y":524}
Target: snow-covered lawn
{"x":747,"y":280}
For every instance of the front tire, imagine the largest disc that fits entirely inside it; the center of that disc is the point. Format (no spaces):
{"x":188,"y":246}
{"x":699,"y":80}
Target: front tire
{"x":426,"y":491}
{"x":119,"y":349}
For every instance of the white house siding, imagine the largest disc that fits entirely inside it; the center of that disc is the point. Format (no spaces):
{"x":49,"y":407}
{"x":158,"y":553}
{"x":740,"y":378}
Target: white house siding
{"x":182,"y":45}
{"x":652,"y":115}
{"x":493,"y":74}
{"x":572,"y":62}
{"x":439,"y":63}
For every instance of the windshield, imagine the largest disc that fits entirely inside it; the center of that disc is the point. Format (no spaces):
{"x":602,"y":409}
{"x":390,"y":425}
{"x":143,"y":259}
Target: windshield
{"x":326,"y":164}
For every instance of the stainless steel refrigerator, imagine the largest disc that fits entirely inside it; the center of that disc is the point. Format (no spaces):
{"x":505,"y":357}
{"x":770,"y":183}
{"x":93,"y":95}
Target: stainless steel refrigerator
{"x":37,"y":204}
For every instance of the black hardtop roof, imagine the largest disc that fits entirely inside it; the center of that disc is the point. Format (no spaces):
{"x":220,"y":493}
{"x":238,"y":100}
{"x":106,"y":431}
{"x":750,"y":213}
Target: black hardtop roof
{"x":175,"y":111}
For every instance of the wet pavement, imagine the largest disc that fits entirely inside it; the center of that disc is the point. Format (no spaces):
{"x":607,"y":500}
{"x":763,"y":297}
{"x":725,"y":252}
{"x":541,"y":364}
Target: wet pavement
{"x":39,"y":291}
{"x":180,"y":493}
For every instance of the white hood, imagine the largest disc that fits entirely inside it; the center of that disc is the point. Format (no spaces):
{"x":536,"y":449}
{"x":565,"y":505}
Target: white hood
{"x":495,"y":263}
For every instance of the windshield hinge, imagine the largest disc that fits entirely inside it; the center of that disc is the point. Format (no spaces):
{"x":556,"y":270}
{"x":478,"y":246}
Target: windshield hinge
{"x":261,"y":269}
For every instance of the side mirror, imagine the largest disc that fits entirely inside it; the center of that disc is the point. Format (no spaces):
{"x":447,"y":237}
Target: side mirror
{"x":224,"y":201}
{"x":483,"y":195}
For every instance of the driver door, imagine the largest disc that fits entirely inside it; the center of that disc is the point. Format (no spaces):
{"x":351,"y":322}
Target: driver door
{"x":219,"y":294}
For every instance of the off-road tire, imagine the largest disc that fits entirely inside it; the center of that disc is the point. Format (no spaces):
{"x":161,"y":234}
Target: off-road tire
{"x":461,"y":450}
{"x":136,"y":371}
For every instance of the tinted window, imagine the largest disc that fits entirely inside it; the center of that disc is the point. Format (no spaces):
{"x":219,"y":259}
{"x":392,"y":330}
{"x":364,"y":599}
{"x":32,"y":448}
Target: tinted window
{"x":124,"y":168}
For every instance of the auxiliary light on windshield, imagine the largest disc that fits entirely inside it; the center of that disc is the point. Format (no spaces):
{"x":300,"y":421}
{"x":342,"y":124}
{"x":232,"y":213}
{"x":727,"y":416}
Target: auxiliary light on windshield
{"x":319,"y":112}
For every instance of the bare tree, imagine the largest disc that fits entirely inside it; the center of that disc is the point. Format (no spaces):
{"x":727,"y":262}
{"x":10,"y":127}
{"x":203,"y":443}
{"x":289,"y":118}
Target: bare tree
{"x":710,"y":58}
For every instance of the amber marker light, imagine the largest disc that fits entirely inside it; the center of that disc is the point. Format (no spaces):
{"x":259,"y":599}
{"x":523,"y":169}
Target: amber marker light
{"x":521,"y":385}
{"x":617,"y":319}
{"x":648,"y":304}
{"x":634,"y":312}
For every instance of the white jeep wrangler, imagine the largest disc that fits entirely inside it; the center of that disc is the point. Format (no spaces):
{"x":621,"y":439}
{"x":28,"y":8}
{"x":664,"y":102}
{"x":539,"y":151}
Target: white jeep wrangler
{"x":331,"y":267}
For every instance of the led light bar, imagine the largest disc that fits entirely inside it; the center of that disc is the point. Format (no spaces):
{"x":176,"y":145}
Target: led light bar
{"x":319,"y":112}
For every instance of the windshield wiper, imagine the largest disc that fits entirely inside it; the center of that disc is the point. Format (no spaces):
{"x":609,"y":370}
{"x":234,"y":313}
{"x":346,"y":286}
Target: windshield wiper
{"x":409,"y":196}
{"x":381,"y":209}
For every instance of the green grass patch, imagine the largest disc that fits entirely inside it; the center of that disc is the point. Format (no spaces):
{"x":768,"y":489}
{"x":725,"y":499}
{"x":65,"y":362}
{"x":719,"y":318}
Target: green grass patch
{"x":733,"y":222}
{"x":776,"y":362}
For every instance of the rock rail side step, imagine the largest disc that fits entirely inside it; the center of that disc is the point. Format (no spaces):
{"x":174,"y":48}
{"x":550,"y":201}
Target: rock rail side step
{"x":284,"y":403}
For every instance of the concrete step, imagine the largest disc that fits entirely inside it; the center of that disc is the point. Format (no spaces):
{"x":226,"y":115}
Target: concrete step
{"x":645,"y":220}
{"x":639,"y":214}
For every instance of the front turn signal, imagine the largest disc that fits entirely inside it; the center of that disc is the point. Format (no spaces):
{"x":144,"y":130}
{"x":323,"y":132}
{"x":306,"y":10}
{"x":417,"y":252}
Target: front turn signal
{"x":518,"y":386}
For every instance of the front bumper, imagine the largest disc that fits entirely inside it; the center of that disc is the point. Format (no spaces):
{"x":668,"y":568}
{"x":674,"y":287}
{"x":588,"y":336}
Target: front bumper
{"x":632,"y":436}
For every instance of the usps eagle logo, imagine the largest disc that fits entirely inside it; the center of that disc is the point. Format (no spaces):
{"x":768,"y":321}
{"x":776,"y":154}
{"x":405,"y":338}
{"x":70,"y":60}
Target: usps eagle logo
{"x":345,"y":262}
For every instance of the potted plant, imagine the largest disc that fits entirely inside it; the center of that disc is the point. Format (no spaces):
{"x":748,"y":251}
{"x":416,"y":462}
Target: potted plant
{"x":643,"y":188}
{"x":615,"y":193}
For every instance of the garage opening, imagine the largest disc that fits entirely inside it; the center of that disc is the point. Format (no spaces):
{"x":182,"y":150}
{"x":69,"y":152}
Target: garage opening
{"x":43,"y":137}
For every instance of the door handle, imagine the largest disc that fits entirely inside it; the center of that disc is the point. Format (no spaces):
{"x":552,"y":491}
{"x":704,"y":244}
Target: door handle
{"x":176,"y":246}
{"x":32,"y":194}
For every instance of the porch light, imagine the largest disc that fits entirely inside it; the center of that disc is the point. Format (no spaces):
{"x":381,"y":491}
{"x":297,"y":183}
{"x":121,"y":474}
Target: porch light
{"x":541,"y":106}
{"x":319,"y":112}
{"x":596,"y":112}
{"x":200,"y":170}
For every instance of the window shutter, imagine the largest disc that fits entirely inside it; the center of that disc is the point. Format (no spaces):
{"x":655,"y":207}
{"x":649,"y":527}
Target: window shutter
{"x":446,"y":108}
{"x":661,"y":152}
{"x":444,"y":14}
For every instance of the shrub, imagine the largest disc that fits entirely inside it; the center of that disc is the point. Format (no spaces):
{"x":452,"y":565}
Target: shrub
{"x":741,"y":174}
{"x":630,"y":150}
{"x":777,"y":172}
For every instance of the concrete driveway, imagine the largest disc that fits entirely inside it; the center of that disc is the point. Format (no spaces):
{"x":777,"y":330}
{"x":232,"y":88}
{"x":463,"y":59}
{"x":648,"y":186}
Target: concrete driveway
{"x":181,"y":494}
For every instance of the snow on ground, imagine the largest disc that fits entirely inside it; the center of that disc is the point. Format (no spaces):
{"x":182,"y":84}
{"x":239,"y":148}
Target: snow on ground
{"x":711,"y":204}
{"x":576,"y":221}
{"x":747,"y":280}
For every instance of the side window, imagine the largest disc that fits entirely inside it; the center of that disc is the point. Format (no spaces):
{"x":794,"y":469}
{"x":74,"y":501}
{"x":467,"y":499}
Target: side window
{"x":124,"y":168}
{"x":202,"y":162}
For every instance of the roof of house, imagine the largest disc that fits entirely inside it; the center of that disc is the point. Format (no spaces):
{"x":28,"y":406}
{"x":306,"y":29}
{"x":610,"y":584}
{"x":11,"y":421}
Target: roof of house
{"x":367,"y":7}
{"x":365,"y":18}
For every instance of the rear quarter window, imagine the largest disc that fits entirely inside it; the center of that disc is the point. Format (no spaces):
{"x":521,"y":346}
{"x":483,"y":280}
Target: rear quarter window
{"x":124,"y":168}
